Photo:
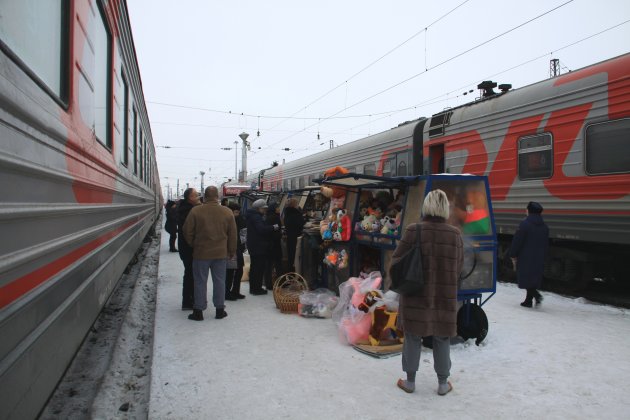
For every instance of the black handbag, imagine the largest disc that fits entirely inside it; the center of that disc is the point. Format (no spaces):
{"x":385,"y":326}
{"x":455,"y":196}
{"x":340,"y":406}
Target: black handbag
{"x":406,"y":273}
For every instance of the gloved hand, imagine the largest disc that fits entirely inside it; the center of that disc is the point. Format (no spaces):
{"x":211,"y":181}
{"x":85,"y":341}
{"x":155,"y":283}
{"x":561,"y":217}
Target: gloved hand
{"x":276,"y":227}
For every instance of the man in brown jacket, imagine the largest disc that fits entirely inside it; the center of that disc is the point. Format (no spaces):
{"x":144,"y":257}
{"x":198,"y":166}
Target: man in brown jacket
{"x":211,"y":231}
{"x":433,"y":312}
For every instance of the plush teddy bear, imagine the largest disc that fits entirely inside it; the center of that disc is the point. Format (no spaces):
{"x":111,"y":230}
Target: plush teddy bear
{"x":389,"y":226}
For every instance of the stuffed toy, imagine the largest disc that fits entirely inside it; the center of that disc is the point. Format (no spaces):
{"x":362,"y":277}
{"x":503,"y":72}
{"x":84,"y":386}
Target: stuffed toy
{"x":389,"y":226}
{"x":344,"y":224}
{"x":368,"y":222}
{"x":343,"y":259}
{"x":384,"y":326}
{"x":369,"y":300}
{"x":336,"y":171}
{"x":326,"y":191}
{"x":332,"y":258}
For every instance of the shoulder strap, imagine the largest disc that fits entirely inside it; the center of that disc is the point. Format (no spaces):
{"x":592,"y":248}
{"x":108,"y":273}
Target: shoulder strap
{"x":418,"y":234}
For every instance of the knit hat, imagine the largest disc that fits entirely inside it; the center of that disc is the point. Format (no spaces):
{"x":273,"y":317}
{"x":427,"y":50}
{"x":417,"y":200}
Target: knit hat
{"x":259,"y":204}
{"x":534,"y":207}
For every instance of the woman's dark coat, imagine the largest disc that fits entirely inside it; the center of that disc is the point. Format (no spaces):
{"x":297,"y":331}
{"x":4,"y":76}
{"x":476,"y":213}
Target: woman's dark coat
{"x":529,"y":246}
{"x":434,"y":310}
{"x":171,"y":215}
{"x":293,"y":221}
{"x":276,"y":237}
{"x":258,"y":233}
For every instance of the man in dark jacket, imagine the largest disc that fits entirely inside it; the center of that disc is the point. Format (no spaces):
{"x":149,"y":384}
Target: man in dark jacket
{"x":528,"y":250}
{"x":275,"y":248}
{"x":171,"y":224}
{"x":191,"y":199}
{"x":234,"y":275}
{"x":433,"y":312}
{"x":258,"y":243}
{"x":293,"y":223}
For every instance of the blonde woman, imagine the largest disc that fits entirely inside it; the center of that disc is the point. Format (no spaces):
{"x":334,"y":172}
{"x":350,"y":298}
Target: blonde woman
{"x":433,"y":312}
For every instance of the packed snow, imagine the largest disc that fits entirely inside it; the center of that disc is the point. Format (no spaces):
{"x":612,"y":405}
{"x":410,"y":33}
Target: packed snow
{"x":568,"y":358}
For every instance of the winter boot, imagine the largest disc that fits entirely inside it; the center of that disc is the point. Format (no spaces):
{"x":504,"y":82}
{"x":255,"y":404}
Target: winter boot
{"x":197,"y":315}
{"x":444,"y":388}
{"x":221,"y":313}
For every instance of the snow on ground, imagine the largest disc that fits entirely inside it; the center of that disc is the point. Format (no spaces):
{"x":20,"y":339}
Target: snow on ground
{"x":568,"y":359}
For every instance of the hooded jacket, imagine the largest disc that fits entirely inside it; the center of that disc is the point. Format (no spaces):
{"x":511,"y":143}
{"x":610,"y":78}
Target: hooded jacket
{"x":529,"y":246}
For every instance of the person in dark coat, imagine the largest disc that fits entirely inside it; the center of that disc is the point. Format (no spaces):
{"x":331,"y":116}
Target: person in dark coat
{"x":234,"y":275}
{"x":258,"y":243}
{"x":293,"y":223}
{"x":190,"y":200}
{"x":432,"y":312}
{"x":275,"y":249}
{"x":171,"y":223}
{"x":528,"y":250}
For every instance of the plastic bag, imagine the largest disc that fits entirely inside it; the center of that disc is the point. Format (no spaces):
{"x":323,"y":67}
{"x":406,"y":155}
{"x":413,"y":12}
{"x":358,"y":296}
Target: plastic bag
{"x":317,"y":304}
{"x":354,"y":324}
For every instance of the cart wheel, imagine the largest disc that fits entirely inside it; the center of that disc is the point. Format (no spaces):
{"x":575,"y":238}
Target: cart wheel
{"x":477,"y":325}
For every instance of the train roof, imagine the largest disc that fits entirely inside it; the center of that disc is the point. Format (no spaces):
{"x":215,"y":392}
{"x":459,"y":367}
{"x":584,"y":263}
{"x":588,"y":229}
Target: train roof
{"x":544,"y":90}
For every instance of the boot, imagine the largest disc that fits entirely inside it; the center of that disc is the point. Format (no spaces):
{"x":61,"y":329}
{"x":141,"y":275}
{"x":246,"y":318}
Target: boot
{"x":221,"y":313}
{"x":197,"y":315}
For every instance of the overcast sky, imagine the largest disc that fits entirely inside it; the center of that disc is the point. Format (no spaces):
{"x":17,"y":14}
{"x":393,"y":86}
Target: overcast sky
{"x":325,"y":63}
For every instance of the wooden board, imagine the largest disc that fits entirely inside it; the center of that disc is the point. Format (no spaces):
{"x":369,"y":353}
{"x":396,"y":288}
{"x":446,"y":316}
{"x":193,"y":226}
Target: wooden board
{"x":380,"y":352}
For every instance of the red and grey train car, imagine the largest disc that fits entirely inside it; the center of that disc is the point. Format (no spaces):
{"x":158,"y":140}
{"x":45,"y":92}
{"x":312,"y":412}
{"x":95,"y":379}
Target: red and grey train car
{"x":564,"y":142}
{"x":79,"y":187}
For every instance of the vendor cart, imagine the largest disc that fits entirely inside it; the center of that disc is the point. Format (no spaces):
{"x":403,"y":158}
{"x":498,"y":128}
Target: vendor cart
{"x":380,"y":209}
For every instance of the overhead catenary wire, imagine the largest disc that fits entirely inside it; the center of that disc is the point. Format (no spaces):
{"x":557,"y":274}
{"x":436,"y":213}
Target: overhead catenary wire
{"x":435,"y":66}
{"x":436,"y":98}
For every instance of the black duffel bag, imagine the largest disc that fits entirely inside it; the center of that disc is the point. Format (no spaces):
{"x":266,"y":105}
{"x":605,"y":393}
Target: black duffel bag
{"x":406,"y":273}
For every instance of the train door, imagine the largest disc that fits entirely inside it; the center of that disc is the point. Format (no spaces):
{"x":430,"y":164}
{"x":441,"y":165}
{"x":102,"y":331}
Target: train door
{"x":436,"y":158}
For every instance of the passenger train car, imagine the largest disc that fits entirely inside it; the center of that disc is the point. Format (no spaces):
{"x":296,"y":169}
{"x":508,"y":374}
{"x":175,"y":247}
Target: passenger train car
{"x":564,"y":142}
{"x":79,"y":187}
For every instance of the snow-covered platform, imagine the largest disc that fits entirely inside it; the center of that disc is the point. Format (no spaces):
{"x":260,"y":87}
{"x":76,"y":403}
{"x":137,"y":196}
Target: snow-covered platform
{"x":565,"y":359}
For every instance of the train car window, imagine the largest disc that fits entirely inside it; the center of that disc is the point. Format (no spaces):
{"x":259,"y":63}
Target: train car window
{"x":140,"y":141}
{"x":352,"y":169}
{"x":535,"y":157}
{"x":389,"y":168}
{"x":102,"y":79}
{"x":125,"y":122}
{"x":369,"y":169}
{"x":135,"y":141}
{"x":607,"y":149}
{"x":402,"y":168}
{"x":402,"y":159}
{"x":34,"y":34}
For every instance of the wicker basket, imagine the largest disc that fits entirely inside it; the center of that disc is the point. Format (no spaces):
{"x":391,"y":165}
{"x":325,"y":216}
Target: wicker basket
{"x":287,"y":290}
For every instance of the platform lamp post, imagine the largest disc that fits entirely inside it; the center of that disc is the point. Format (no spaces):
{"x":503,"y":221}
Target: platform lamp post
{"x":235,"y":161}
{"x":202,"y":173}
{"x":246,"y":147}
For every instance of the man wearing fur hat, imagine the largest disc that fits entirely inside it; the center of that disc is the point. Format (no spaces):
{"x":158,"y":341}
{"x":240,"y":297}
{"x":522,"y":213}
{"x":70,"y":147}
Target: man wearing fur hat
{"x":528,"y":251}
